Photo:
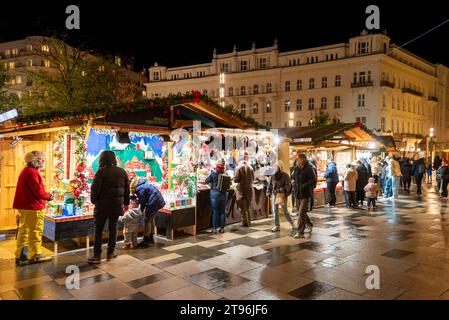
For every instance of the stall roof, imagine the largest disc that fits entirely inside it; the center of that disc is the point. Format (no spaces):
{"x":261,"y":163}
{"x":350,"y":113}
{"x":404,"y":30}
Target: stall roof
{"x":388,"y":142}
{"x":338,"y":131}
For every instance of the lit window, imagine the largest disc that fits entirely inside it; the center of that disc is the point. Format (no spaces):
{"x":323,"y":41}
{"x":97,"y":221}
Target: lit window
{"x":47,"y":63}
{"x":255,"y":108}
{"x":269,"y":107}
{"x":299,"y":85}
{"x":243,"y":65}
{"x":298,"y":124}
{"x":290,"y":123}
{"x":287,"y":105}
{"x":101,"y":68}
{"x":231,"y":92}
{"x":287,"y":86}
{"x":243,"y":108}
{"x":45,"y":48}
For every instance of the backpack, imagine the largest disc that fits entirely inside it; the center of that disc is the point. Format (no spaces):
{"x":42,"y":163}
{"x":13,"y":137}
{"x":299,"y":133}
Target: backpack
{"x":421,"y":168}
{"x":224,"y":183}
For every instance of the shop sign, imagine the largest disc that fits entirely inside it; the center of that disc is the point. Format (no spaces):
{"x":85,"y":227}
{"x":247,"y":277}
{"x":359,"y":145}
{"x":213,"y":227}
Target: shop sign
{"x":11,"y":114}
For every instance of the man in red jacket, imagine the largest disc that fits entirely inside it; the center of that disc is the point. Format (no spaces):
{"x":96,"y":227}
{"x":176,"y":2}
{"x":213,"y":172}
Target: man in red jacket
{"x":30,"y":200}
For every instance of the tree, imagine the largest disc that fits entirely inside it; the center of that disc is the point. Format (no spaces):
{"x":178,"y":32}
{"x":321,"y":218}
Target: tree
{"x":7,"y":100}
{"x":322,"y":119}
{"x":69,"y":78}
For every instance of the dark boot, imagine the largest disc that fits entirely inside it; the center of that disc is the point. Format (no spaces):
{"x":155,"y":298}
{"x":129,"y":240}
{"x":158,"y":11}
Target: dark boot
{"x":151,"y":239}
{"x":145,"y":243}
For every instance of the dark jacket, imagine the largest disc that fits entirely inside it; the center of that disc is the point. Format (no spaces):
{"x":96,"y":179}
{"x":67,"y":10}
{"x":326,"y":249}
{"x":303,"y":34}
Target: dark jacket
{"x":244,"y":177}
{"x":407,"y":171}
{"x":110,"y":188}
{"x":331,"y":172}
{"x":279,"y":183}
{"x":445,"y":173}
{"x":212,"y":179}
{"x":315,"y":171}
{"x":150,"y":198}
{"x":362,"y":177}
{"x":416,"y":166}
{"x":303,"y":181}
{"x":368,"y":168}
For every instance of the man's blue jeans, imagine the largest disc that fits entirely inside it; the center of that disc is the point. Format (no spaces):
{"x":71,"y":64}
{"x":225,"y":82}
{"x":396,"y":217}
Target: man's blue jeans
{"x":276,"y":212}
{"x":218,"y":206}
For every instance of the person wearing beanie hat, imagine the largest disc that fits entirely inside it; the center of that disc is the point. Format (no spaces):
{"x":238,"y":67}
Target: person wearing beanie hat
{"x":29,"y":200}
{"x":217,"y":197}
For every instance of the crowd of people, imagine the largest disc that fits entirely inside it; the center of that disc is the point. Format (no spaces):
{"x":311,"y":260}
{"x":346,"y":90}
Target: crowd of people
{"x":117,"y":199}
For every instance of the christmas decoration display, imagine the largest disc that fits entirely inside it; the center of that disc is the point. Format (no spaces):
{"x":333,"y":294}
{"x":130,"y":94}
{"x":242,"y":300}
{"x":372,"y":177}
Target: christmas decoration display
{"x":58,"y":155}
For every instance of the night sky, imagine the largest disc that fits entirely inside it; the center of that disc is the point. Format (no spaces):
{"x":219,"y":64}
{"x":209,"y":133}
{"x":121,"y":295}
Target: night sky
{"x":185,"y":32}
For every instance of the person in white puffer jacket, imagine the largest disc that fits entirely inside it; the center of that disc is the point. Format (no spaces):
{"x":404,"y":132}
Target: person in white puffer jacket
{"x":131,"y":220}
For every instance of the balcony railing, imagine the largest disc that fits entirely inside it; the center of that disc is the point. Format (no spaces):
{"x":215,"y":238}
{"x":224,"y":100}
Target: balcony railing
{"x":361,"y":84}
{"x":412,"y":91}
{"x":433,"y":98}
{"x":386,"y":83}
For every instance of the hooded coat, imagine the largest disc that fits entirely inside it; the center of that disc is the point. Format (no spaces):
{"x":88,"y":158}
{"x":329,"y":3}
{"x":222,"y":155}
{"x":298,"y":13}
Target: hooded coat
{"x":110,"y":188}
{"x":150,"y":198}
{"x":362,"y":179}
{"x":350,"y":179}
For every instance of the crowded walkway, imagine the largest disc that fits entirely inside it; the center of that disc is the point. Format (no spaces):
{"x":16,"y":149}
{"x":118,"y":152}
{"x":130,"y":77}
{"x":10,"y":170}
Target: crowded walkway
{"x":407,"y":238}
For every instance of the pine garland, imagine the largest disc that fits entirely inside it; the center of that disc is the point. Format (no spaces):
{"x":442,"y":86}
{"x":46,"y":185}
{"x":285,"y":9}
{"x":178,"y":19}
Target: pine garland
{"x":142,"y":104}
{"x":79,"y":183}
{"x":58,"y":155}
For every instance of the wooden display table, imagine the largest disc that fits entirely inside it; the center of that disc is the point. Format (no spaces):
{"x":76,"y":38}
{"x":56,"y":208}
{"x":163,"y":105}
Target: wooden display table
{"x":65,"y":228}
{"x":176,"y":218}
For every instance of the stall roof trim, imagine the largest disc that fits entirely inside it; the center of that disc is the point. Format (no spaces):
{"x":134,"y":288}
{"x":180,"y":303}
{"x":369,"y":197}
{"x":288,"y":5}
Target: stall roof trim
{"x":315,"y":135}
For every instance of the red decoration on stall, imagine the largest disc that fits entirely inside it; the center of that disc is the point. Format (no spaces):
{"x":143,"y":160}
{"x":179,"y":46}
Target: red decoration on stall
{"x":197,"y":96}
{"x":69,"y":152}
{"x":151,"y":104}
{"x":358,"y":124}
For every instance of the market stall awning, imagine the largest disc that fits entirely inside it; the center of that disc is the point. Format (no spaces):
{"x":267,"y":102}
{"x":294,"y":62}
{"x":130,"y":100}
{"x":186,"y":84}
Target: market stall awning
{"x":388,"y":142}
{"x":338,"y":133}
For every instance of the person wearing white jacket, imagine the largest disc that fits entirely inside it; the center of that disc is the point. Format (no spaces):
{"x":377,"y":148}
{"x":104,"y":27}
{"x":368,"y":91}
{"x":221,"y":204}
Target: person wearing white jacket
{"x":395,"y":173}
{"x":376,"y":168}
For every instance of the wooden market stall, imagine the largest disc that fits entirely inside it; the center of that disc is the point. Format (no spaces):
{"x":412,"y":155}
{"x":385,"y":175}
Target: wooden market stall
{"x":343,"y":142}
{"x":65,"y":139}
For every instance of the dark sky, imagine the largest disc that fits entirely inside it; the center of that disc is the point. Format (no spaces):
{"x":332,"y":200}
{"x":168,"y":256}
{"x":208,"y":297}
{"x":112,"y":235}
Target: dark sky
{"x":184,"y":32}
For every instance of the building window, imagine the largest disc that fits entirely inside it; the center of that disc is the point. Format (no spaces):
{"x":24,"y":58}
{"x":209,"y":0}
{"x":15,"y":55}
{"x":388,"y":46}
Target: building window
{"x":255,"y":108}
{"x":243,"y":108}
{"x":361,"y":119}
{"x":298,"y":124}
{"x":311,"y":104}
{"x":45,"y":48}
{"x":263,"y":62}
{"x":382,"y":124}
{"x":268,"y":107}
{"x":243,"y":65}
{"x":269,"y":88}
{"x":268,"y":124}
{"x":369,"y":76}
{"x":392,"y":102}
{"x":231,"y":91}
{"x":362,"y":47}
{"x":205,"y":92}
{"x":156,"y":76}
{"x":287,"y":105}
{"x":47,"y":63}
{"x":225,"y":67}
{"x":337,"y":80}
{"x":298,"y":105}
{"x":299,"y":85}
{"x":384,"y":101}
{"x":287,"y":86}
{"x":323,"y":103}
{"x":361,"y":100}
{"x":324,"y":82}
{"x":311,"y":83}
{"x":362,"y":77}
{"x":337,"y":101}
{"x":285,"y":124}
{"x":397,"y":126}
{"x":30,"y":62}
{"x":256,"y":89}
{"x":242,"y":90}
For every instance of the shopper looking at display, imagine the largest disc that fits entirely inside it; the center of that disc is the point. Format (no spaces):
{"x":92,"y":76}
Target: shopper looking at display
{"x":279,"y":188}
{"x":30,"y":200}
{"x":313,"y":164}
{"x":151,"y":201}
{"x":244,"y":177}
{"x":217,"y":197}
{"x":110,"y":195}
{"x":331,"y":176}
{"x":350,"y":185}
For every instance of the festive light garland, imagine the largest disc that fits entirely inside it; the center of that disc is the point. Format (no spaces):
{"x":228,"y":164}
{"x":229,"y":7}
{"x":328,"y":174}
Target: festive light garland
{"x":79,"y":183}
{"x":58,"y":155}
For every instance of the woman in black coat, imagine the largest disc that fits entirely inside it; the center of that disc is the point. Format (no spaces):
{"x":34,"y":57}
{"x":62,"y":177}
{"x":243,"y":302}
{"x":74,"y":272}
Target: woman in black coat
{"x":407,"y":174}
{"x":362,"y":181}
{"x":110,"y":195}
